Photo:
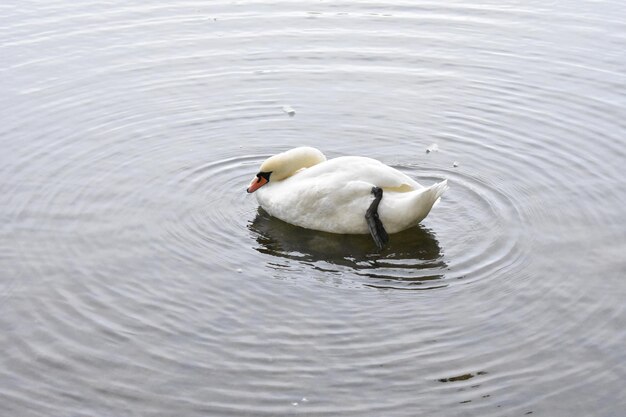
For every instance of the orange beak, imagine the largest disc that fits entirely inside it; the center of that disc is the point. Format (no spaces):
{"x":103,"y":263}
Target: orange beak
{"x":256,"y":183}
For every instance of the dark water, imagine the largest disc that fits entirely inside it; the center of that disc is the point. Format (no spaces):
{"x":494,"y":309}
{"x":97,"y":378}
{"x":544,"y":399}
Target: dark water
{"x":138,"y":279}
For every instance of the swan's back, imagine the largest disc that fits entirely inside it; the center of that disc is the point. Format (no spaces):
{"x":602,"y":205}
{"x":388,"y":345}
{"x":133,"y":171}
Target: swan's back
{"x":344,"y":169}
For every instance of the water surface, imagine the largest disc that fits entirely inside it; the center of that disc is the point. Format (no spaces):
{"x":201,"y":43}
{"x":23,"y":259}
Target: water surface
{"x":138,"y":278}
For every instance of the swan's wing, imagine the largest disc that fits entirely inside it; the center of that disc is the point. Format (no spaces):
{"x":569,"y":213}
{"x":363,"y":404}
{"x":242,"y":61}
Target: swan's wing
{"x":356,"y":168}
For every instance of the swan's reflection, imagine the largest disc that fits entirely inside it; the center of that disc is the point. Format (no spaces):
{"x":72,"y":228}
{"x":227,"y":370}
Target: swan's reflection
{"x":411,"y":260}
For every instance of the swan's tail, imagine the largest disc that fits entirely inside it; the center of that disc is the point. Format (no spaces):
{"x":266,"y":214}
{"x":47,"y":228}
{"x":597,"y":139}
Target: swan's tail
{"x":427,"y":199}
{"x":436,"y":190}
{"x":408,"y":209}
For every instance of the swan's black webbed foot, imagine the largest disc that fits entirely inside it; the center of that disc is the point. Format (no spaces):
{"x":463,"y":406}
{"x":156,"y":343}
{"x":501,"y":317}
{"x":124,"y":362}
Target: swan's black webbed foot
{"x":377,"y":230}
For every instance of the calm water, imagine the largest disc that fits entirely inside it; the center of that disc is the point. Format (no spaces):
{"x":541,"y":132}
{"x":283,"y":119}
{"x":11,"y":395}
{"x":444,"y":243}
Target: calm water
{"x":137,"y":278}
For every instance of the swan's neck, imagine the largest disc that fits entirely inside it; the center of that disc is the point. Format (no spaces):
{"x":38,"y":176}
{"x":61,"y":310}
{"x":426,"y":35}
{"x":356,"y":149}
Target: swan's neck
{"x":288,"y":163}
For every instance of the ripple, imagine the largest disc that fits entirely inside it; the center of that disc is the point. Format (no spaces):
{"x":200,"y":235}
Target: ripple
{"x":414,"y":259}
{"x":133,"y":261}
{"x":213,"y":219}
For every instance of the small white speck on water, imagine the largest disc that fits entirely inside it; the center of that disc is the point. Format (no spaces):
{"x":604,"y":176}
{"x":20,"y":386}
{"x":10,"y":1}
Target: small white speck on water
{"x":289,"y":110}
{"x":294,"y":404}
{"x":304,"y":399}
{"x":432,"y":148}
{"x":239,"y":270}
{"x":455,"y":164}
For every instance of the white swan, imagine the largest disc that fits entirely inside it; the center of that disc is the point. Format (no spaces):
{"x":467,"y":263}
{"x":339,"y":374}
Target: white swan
{"x":342,"y":195}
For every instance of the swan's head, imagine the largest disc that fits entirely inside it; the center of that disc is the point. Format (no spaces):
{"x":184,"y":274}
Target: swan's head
{"x":284,"y":165}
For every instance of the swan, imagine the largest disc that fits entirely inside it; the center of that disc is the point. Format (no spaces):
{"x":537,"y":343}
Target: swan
{"x":348,"y":194}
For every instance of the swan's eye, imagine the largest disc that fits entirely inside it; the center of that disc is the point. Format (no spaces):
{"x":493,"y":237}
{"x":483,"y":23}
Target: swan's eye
{"x":263,"y":175}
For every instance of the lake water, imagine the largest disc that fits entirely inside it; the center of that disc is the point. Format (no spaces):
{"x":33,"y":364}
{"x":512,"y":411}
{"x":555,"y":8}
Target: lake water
{"x":137,"y":278}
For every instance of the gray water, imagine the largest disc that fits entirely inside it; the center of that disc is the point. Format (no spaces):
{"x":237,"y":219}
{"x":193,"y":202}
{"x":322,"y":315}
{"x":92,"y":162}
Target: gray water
{"x":137,"y":278}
